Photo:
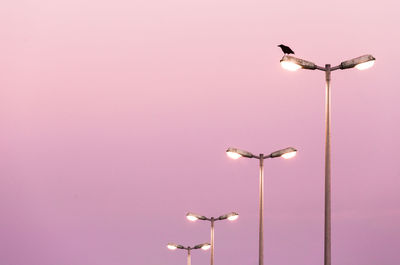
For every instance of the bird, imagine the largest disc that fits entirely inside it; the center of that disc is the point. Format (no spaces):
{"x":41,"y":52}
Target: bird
{"x":286,"y":49}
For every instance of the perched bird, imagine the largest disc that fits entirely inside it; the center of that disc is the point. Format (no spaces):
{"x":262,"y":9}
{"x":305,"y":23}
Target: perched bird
{"x":286,"y":49}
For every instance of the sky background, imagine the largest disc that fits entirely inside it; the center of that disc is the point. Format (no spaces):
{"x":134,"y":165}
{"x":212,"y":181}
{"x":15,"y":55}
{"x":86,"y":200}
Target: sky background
{"x":115,"y":117}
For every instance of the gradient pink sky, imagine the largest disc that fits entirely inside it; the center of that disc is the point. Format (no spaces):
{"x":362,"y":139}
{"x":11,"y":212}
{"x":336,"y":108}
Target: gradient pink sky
{"x":115,"y":117}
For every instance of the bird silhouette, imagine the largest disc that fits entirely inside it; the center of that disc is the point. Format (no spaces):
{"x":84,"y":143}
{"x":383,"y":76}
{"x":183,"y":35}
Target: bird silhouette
{"x":286,"y":49}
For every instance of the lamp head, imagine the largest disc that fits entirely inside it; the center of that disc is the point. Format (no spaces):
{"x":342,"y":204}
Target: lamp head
{"x":292,"y":63}
{"x":361,"y":63}
{"x":230,"y":216}
{"x":204,"y":246}
{"x":235,"y":153}
{"x":285,"y":153}
{"x":194,"y":217}
{"x":172,"y":246}
{"x":233,"y":216}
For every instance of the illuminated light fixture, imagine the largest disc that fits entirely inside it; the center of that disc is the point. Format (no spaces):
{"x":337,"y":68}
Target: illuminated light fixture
{"x":172,"y":246}
{"x":292,"y":63}
{"x":233,"y":216}
{"x":191,"y":218}
{"x":289,"y":155}
{"x":194,"y":217}
{"x":290,"y":66}
{"x":285,"y":153}
{"x":235,"y":153}
{"x":361,"y":63}
{"x":206,"y":246}
{"x":366,"y":65}
{"x":230,"y":216}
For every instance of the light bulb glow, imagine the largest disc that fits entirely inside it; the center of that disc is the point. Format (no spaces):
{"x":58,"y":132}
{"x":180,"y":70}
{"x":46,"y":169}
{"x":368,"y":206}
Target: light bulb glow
{"x":206,"y":247}
{"x":233,"y":217}
{"x":191,"y":218}
{"x":289,"y":155}
{"x":290,"y":66}
{"x":366,"y":65}
{"x":233,"y":155}
{"x":171,"y":247}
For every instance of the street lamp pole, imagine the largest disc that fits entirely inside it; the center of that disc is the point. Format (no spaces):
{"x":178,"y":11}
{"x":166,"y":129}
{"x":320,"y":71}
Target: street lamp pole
{"x":327,"y":214}
{"x":189,"y":259}
{"x":286,"y":153}
{"x":261,"y":221}
{"x":292,"y":64}
{"x":194,"y":217}
{"x":212,"y":241}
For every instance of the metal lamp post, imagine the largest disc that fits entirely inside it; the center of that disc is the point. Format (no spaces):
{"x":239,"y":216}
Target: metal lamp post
{"x":292,"y":63}
{"x":230,"y":216}
{"x":204,"y":246}
{"x":286,"y":153}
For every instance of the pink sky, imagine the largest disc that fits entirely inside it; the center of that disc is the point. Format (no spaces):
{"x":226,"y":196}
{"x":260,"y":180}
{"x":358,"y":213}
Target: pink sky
{"x":115,"y":117}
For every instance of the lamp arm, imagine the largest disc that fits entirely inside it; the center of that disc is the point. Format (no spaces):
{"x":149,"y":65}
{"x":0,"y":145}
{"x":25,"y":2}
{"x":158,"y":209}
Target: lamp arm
{"x":324,"y":69}
{"x":335,"y":68}
{"x":321,"y":68}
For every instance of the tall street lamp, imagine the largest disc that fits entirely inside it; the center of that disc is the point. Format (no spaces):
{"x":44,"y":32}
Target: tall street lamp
{"x":172,"y":246}
{"x":194,"y":217}
{"x":286,"y":153}
{"x":292,"y":64}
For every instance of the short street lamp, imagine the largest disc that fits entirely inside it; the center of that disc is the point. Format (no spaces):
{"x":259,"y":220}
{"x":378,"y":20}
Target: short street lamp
{"x":194,"y":217}
{"x":204,"y":246}
{"x":292,"y":64}
{"x":286,"y":153}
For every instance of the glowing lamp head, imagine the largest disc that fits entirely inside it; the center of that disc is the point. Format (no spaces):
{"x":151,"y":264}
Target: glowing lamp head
{"x":292,"y":63}
{"x":233,"y":217}
{"x":233,"y":155}
{"x":366,"y":65}
{"x":191,"y":218}
{"x":290,"y":66}
{"x":206,"y":247}
{"x":361,"y":63}
{"x":194,"y":217}
{"x":172,"y":246}
{"x":230,"y":216}
{"x":285,"y":153}
{"x":289,"y":155}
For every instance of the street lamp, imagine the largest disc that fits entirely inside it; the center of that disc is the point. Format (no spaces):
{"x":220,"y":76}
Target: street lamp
{"x":172,"y":246}
{"x":286,"y":153}
{"x":292,"y":64}
{"x":194,"y":217}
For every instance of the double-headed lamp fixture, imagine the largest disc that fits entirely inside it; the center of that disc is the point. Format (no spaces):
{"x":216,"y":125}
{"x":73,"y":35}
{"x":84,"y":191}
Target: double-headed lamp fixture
{"x":286,"y":153}
{"x":204,"y":246}
{"x":194,"y":217}
{"x":292,"y":63}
